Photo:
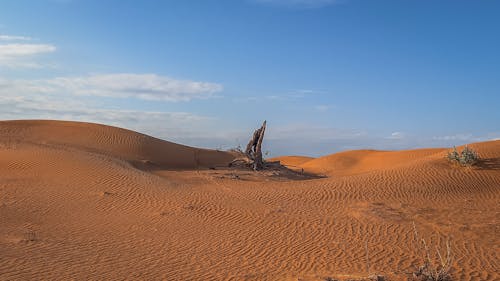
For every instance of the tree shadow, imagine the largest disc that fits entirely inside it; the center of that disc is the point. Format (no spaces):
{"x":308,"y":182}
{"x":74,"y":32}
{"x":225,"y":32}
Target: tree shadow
{"x":489,"y":164}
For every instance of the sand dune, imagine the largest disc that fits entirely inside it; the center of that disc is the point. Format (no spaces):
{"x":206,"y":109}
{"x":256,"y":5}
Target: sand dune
{"x":363,"y":161}
{"x":81,"y":201}
{"x":112,"y":141}
{"x":292,"y":161}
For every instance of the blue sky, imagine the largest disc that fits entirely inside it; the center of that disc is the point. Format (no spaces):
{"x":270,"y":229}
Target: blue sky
{"x":327,"y":75}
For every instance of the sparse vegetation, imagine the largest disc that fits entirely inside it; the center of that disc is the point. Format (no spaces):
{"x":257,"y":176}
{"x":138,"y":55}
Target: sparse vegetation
{"x":237,"y":150}
{"x":435,"y":267}
{"x":467,"y":157}
{"x":30,"y":236}
{"x":453,"y":155}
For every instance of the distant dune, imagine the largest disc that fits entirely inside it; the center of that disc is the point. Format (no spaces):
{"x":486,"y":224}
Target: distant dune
{"x":363,"y":161}
{"x":81,"y":201}
{"x":112,"y":141}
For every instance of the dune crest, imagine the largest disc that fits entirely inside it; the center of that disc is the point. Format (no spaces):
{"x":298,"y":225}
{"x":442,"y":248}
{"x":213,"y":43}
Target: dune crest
{"x":364,"y":161}
{"x":113,"y":141}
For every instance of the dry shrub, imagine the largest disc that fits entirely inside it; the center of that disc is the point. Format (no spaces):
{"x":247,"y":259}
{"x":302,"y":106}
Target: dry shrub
{"x":435,"y":267}
{"x":467,"y":157}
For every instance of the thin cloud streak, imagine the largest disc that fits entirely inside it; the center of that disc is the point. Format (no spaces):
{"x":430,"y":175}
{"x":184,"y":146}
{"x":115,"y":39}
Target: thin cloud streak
{"x":14,"y":38}
{"x":120,"y":85}
{"x":12,"y":51}
{"x":16,"y":55}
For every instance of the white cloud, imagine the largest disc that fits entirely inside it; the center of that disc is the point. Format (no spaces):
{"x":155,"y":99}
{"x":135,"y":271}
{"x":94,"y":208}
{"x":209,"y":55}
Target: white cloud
{"x":12,"y":51}
{"x":65,"y":98}
{"x":457,"y":137}
{"x":121,"y":85}
{"x":466,"y":138}
{"x":48,"y":107}
{"x":22,"y":55}
{"x":14,"y":38}
{"x":396,"y":136}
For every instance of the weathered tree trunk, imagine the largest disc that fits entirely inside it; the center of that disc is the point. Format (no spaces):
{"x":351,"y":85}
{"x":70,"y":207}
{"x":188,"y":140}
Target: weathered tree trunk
{"x":251,"y":144}
{"x":258,"y":163}
{"x":254,"y":148}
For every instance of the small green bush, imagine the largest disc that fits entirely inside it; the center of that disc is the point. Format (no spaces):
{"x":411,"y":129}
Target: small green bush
{"x":467,"y":157}
{"x":454,"y":155}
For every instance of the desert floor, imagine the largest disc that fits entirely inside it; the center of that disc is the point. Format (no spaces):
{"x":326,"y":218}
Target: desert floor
{"x":82,"y":201}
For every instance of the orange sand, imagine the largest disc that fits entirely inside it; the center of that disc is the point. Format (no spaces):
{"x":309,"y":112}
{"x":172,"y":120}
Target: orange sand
{"x":82,"y":201}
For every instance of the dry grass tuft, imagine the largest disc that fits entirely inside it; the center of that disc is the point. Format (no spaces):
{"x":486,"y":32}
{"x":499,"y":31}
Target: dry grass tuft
{"x":434,"y":268}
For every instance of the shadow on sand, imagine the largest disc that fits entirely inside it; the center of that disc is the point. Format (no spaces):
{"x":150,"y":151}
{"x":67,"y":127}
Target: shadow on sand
{"x":489,"y":164}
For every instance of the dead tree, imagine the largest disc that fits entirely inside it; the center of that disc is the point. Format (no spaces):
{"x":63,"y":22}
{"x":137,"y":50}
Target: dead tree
{"x":254,"y":148}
